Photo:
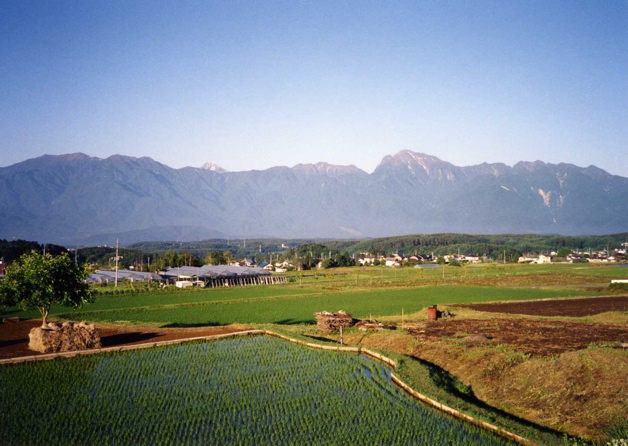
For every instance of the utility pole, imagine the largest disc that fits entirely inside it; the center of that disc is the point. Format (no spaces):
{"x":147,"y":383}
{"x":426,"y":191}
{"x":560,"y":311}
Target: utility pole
{"x":117,"y":259}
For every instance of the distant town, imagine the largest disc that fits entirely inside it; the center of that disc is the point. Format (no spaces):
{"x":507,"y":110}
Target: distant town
{"x":248,"y":272}
{"x":210,"y":264}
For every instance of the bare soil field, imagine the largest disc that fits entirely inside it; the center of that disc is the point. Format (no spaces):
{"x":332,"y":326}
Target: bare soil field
{"x":557,"y":307}
{"x":14,"y":335}
{"x":537,"y":337}
{"x":531,"y":336}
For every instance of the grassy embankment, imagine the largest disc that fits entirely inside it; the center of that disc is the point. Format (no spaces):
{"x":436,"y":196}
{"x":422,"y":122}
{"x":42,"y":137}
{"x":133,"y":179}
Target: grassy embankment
{"x":581,"y":393}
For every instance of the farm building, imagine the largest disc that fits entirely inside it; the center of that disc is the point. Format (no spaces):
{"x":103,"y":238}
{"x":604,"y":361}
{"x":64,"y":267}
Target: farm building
{"x":123,"y":274}
{"x":207,"y":276}
{"x":222,"y":275}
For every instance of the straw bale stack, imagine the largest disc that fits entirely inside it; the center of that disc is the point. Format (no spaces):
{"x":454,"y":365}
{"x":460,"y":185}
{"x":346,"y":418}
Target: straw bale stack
{"x":330,"y":322}
{"x":69,"y":336}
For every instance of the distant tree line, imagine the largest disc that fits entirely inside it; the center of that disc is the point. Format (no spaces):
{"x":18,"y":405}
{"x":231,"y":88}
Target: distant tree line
{"x":491,"y":246}
{"x":239,"y":248}
{"x":104,"y":258}
{"x":307,"y":254}
{"x":11,"y":250}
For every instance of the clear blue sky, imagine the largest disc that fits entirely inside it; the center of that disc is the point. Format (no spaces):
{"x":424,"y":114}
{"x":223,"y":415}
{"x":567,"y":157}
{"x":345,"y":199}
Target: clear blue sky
{"x":253,"y":84}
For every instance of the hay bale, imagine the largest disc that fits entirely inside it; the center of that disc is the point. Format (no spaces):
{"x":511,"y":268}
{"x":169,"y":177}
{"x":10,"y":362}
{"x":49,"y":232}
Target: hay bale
{"x":65,"y":337}
{"x":330,"y":322}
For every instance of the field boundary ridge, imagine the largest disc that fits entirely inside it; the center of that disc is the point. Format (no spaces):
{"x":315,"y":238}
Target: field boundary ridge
{"x":93,"y":351}
{"x":365,"y":351}
{"x":457,"y":414}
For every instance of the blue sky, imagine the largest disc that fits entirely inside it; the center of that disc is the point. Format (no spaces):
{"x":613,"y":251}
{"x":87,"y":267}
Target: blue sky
{"x":253,"y":84}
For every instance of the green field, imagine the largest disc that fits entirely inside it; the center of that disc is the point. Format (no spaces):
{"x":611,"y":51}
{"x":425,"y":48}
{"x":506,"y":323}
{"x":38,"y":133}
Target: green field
{"x":241,"y":391}
{"x":363,"y":292}
{"x":294,"y":308}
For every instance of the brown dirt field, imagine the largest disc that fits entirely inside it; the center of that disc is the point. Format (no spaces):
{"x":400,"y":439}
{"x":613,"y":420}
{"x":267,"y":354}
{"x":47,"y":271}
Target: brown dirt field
{"x":14,"y":335}
{"x":545,"y":279}
{"x":535,"y":337}
{"x":557,"y":307}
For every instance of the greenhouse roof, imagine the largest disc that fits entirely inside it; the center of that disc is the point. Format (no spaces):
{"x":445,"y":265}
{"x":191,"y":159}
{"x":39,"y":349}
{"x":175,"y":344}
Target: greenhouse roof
{"x":109,"y":276}
{"x":208,"y":271}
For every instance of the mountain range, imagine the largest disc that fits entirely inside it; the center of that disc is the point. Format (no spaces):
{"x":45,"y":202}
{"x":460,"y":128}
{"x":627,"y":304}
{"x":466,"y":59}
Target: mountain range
{"x":76,"y":199}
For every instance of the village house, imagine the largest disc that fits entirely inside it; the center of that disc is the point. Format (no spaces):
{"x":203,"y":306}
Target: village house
{"x":472,"y":259}
{"x":541,"y":258}
{"x":366,"y":260}
{"x":454,"y":257}
{"x":282,"y":267}
{"x":393,"y":261}
{"x":544,"y":259}
{"x":528,"y":259}
{"x":576,"y":258}
{"x":598,"y":259}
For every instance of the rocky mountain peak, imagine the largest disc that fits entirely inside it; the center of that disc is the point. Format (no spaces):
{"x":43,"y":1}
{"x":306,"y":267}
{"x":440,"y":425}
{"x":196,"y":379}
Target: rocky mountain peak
{"x":530,"y":166}
{"x":330,"y":170}
{"x":423,"y":167}
{"x":213,"y":167}
{"x":78,"y":156}
{"x":413,"y":160}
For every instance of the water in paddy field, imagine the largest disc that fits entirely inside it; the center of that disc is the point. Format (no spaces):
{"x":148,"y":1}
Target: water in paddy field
{"x":255,"y":390}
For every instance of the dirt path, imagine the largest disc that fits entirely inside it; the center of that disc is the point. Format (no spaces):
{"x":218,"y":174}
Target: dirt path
{"x":14,"y":335}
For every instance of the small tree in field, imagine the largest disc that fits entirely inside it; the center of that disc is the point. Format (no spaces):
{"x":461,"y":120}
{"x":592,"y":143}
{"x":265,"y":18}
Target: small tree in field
{"x":40,"y":280}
